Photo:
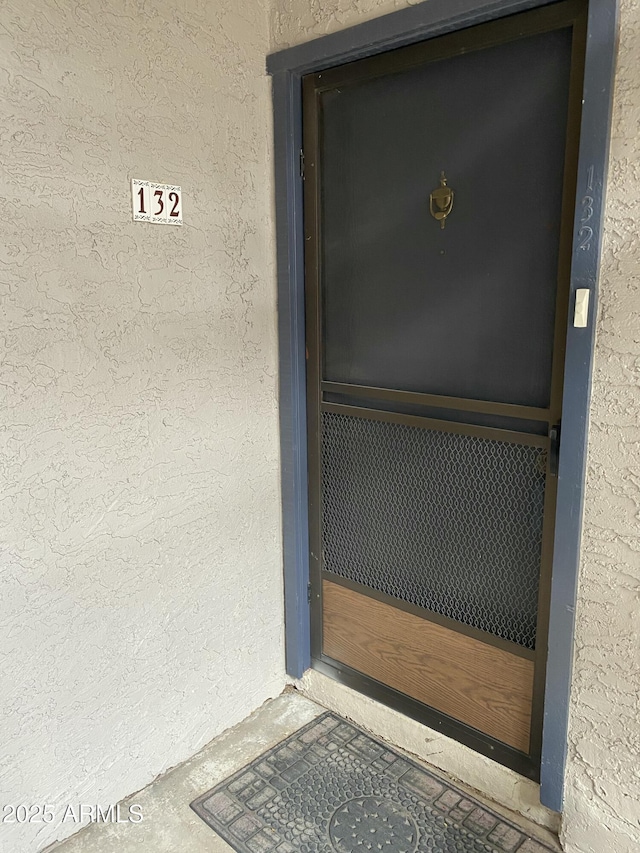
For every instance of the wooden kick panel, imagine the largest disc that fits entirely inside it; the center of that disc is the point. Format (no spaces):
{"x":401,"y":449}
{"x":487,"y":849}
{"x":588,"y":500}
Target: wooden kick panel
{"x":473,"y":682}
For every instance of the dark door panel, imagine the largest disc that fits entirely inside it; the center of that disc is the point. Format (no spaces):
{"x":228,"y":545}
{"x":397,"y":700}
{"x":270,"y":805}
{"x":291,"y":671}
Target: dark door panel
{"x":467,"y":310}
{"x":435,"y":363}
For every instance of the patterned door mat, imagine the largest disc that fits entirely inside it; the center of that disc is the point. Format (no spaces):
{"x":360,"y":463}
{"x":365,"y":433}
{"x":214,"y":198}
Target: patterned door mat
{"x":331,"y":788}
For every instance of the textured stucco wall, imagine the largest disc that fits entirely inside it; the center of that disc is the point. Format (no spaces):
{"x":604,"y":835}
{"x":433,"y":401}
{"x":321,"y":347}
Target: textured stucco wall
{"x":139,"y":530}
{"x":297,"y":21}
{"x":602,"y":811}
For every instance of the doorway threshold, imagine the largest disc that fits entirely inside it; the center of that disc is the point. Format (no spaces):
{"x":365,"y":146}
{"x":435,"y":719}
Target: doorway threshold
{"x":482,"y":777}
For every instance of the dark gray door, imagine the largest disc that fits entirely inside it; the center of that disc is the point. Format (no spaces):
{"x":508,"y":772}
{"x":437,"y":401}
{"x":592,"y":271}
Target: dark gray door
{"x":439,"y":189}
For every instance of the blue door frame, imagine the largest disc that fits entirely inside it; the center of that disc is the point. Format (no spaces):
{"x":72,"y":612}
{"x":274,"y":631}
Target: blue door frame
{"x":398,"y":29}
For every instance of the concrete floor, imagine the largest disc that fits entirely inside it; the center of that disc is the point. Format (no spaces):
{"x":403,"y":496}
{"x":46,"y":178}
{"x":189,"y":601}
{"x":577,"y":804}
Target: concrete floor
{"x":170,"y":826}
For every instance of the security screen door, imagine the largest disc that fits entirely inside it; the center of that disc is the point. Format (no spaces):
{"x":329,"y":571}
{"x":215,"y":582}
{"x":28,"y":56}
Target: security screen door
{"x":439,"y":195}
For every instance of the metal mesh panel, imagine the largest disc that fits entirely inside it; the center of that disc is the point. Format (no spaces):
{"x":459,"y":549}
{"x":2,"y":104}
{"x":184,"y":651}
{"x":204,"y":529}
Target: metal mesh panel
{"x":448,"y":522}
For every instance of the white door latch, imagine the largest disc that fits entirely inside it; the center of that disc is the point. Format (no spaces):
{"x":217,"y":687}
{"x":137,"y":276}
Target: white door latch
{"x":581,"y":314}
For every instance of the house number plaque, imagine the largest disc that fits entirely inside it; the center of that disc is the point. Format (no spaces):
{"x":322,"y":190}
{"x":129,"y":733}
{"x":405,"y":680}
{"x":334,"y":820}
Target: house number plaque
{"x":160,"y":203}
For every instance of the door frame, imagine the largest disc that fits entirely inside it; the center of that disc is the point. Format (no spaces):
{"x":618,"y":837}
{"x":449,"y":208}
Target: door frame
{"x":397,"y":29}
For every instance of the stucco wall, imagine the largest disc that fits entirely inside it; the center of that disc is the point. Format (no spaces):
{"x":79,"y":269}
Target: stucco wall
{"x":141,"y":609}
{"x":602,"y":814}
{"x":297,"y":21}
{"x":140,"y":527}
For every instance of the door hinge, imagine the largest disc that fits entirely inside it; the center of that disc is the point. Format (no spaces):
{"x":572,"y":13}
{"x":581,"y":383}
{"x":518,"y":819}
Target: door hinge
{"x":302,"y":163}
{"x":554,"y":449}
{"x":309,"y":593}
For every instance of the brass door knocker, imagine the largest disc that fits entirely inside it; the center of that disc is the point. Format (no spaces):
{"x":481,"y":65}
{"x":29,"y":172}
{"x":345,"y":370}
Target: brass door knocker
{"x":441,"y":201}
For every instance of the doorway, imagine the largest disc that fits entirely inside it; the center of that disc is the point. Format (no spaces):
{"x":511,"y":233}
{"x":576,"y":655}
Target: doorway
{"x":439,"y":196}
{"x":383,"y":35}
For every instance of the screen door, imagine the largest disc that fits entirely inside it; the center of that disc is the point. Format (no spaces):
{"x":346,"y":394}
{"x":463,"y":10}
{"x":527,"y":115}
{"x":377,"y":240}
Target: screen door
{"x":439,"y":190}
